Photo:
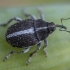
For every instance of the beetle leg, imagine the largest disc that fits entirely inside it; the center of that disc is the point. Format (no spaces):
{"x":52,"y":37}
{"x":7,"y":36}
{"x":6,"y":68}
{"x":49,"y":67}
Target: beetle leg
{"x":14,"y":52}
{"x":38,"y":48}
{"x":8,"y":22}
{"x":45,"y":45}
{"x":29,"y":15}
{"x":41,"y":14}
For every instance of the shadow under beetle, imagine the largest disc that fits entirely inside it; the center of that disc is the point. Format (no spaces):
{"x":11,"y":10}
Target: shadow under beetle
{"x":29,"y":32}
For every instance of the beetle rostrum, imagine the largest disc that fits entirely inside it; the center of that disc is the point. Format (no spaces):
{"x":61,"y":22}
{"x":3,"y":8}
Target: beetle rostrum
{"x":29,"y":32}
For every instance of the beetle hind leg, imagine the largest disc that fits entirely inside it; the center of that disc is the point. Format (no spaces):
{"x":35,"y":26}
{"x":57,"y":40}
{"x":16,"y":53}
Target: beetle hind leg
{"x":38,"y":48}
{"x":14,"y":52}
{"x":9,"y":21}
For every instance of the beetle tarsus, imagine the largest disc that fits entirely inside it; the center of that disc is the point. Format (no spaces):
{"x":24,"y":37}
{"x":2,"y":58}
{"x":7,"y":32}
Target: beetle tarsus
{"x":27,"y":62}
{"x":5,"y":58}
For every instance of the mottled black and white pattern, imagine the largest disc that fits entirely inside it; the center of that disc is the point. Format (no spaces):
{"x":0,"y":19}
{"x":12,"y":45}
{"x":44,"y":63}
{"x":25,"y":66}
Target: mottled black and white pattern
{"x":24,"y":33}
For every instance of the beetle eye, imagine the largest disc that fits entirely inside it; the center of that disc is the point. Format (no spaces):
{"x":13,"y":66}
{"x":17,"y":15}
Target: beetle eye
{"x":52,"y":29}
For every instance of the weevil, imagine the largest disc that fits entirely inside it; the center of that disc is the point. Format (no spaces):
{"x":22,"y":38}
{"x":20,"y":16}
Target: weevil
{"x":29,"y":32}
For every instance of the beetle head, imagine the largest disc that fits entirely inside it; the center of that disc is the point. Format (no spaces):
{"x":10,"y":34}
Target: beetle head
{"x":51,"y":27}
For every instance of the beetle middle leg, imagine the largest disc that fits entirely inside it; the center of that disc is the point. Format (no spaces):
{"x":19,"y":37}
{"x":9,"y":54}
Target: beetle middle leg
{"x":45,"y":45}
{"x":14,"y":52}
{"x":29,"y":15}
{"x":8,"y":22}
{"x":38,"y":48}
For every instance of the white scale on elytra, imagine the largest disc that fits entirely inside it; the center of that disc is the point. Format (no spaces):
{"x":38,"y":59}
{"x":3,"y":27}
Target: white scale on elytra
{"x":28,"y":31}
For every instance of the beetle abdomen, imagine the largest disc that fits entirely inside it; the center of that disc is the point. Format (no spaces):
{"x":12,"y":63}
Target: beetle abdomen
{"x":23,"y":40}
{"x":21,"y":34}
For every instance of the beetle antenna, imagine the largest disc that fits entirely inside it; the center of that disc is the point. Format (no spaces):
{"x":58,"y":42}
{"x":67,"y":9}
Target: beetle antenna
{"x":62,"y":24}
{"x":62,"y":27}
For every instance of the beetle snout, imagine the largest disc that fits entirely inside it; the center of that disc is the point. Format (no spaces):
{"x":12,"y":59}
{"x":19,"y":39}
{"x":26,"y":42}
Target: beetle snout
{"x":61,"y":26}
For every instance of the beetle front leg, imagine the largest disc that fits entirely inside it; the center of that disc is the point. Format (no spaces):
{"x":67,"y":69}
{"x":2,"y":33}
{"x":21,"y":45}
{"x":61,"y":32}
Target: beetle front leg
{"x":8,"y":22}
{"x":29,"y":58}
{"x":14,"y":52}
{"x":45,"y":45}
{"x":29,"y":15}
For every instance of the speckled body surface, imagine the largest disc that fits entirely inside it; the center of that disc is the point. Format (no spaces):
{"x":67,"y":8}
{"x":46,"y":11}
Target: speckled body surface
{"x":27,"y":33}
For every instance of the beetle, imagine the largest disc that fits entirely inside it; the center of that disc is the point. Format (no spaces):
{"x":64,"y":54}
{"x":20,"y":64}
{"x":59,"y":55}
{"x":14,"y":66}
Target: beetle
{"x":29,"y":32}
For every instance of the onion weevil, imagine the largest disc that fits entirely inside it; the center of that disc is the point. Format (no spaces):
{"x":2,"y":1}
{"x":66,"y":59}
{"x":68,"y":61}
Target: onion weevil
{"x":29,"y":32}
